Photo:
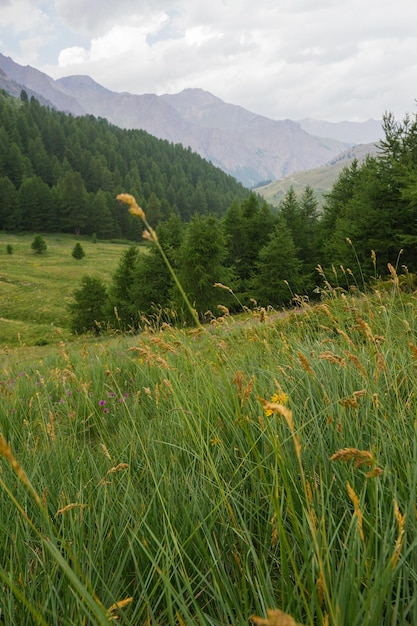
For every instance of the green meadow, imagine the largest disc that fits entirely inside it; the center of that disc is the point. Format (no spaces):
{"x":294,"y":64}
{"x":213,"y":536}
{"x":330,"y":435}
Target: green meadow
{"x":35,"y":289}
{"x":255,"y":471}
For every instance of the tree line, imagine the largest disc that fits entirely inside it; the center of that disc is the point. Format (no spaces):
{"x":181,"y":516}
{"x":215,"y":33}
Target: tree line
{"x":60,"y":173}
{"x":367,"y":225}
{"x":251,"y":253}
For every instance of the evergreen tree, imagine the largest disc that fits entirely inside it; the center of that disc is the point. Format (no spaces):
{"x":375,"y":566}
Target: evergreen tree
{"x":16,"y":165}
{"x":121,"y":294}
{"x":9,"y":205}
{"x":153,"y":210}
{"x":152,"y":283}
{"x":151,"y":286}
{"x":36,"y":205}
{"x":100,"y":218}
{"x":334,"y":227}
{"x":301,"y":217}
{"x":38,"y":245}
{"x":78,"y":251}
{"x":201,"y":263}
{"x":73,"y":199}
{"x":88,"y":310}
{"x":247,"y":228}
{"x":278,"y":268}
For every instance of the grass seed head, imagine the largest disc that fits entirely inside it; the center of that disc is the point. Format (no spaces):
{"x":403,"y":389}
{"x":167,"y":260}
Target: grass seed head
{"x":274,"y":617}
{"x":134,"y":208}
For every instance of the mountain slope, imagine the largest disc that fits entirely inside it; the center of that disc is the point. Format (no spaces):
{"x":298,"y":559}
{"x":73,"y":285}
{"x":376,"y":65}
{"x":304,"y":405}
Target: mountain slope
{"x":250,"y":147}
{"x":39,"y":84}
{"x":246,"y":145}
{"x":349,"y":132}
{"x":320,"y":179}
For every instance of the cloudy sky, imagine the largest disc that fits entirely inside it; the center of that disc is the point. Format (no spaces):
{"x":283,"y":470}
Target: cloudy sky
{"x":327,"y":59}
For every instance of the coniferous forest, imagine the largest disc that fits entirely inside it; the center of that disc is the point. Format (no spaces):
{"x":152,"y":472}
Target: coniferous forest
{"x":59,"y":173}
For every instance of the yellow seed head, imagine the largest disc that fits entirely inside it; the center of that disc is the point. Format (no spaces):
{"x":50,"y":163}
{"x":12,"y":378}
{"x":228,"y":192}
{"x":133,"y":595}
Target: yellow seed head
{"x":134,"y":208}
{"x":355,"y":500}
{"x":361,"y":457}
{"x":274,"y":617}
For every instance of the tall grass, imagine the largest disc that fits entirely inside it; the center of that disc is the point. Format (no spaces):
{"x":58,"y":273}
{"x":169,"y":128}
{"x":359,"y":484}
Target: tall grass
{"x":214,"y":477}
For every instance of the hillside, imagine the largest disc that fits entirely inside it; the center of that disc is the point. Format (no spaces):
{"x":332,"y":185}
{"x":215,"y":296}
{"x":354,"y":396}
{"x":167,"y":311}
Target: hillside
{"x":62,"y":173}
{"x":250,"y":147}
{"x":197,"y":478}
{"x":320,"y":179}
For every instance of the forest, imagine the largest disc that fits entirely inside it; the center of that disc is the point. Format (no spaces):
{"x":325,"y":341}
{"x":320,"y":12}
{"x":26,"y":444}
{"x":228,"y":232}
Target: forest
{"x":62,"y":174}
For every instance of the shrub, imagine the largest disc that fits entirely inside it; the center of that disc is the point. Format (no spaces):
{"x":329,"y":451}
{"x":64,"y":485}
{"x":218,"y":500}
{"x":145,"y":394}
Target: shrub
{"x":39,"y":245}
{"x":78,"y":252}
{"x":9,"y":249}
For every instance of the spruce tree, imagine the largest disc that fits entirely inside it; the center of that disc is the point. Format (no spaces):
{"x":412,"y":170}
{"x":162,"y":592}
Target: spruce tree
{"x":89,"y":308}
{"x":78,"y":251}
{"x":39,"y":245}
{"x":278,"y":269}
{"x":121,"y":298}
{"x":201,"y":263}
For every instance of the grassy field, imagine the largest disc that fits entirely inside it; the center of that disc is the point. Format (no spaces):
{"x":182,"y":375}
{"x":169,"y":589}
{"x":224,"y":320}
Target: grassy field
{"x":35,"y":289}
{"x":221,"y":476}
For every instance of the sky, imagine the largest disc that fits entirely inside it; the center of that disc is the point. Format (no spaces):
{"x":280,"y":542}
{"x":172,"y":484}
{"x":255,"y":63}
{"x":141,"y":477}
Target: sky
{"x":330,"y":60}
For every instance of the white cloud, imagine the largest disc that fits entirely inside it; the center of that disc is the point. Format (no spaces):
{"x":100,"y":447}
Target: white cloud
{"x":282,"y":58}
{"x":23,"y":16}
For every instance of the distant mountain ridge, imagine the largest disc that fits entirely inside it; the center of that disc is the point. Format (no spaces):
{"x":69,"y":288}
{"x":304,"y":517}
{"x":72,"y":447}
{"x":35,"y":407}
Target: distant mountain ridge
{"x":348,"y":132}
{"x":320,"y":179}
{"x":251,"y":147}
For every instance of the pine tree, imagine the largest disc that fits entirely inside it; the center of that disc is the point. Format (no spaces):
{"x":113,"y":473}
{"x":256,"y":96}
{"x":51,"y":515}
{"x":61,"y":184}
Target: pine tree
{"x":89,"y":308}
{"x":78,"y":251}
{"x":201,"y":263}
{"x":278,"y":269}
{"x":121,"y":296}
{"x":39,"y":245}
{"x":10,"y":217}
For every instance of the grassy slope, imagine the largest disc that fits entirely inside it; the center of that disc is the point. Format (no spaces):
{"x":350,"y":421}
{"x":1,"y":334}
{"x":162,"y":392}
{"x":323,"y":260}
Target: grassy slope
{"x":35,"y":289}
{"x":163,"y":482}
{"x":320,"y":179}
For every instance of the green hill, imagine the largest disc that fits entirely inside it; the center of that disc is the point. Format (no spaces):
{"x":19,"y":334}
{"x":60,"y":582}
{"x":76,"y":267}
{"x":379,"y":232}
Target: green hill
{"x":320,"y":179}
{"x":61,"y":174}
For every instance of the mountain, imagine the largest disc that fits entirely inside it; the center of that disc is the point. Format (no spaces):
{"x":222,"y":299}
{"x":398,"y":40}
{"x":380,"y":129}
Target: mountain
{"x":38,"y":84}
{"x":251,"y":147}
{"x":348,"y":132}
{"x":320,"y":179}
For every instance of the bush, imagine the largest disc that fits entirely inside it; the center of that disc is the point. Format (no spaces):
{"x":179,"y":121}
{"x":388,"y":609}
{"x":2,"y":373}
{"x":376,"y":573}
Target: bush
{"x":9,"y":248}
{"x":39,"y":245}
{"x":78,"y":252}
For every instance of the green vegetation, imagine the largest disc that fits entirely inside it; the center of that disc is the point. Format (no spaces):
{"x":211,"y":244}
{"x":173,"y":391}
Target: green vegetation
{"x":38,"y":245}
{"x":35,"y":290}
{"x":62,"y":174}
{"x":320,"y":179}
{"x":78,"y":251}
{"x":260,"y":463}
{"x":202,"y":478}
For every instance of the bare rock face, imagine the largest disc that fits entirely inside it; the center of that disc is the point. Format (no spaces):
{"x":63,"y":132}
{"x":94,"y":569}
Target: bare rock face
{"x":250,"y":147}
